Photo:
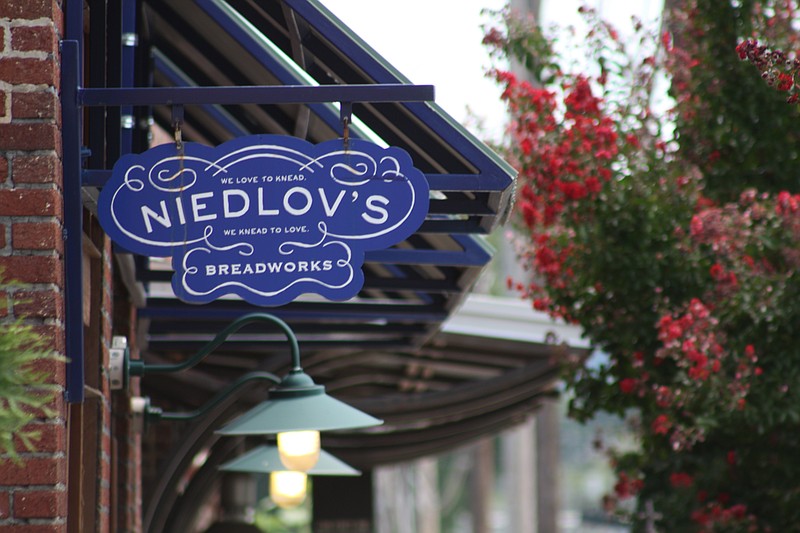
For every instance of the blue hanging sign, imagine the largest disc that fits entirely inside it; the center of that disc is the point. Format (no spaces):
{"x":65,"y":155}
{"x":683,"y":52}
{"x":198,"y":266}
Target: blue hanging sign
{"x":264,"y":217}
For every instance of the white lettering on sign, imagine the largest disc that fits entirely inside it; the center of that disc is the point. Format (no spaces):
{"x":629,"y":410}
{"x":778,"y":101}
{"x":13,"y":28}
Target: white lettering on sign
{"x":198,"y":205}
{"x":272,"y":267}
{"x":371,"y":206}
{"x":236,"y":203}
{"x":226,"y":196}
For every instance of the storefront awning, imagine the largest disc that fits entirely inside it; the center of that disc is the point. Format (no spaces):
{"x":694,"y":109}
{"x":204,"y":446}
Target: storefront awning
{"x":411,"y":288}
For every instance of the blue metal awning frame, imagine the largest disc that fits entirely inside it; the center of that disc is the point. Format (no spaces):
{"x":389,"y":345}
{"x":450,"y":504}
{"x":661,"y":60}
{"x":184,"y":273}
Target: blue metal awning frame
{"x":75,"y":97}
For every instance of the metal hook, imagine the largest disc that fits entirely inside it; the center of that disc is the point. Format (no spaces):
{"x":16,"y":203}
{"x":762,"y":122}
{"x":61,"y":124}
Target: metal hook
{"x":177,"y":122}
{"x":345,"y":114}
{"x":178,"y":138}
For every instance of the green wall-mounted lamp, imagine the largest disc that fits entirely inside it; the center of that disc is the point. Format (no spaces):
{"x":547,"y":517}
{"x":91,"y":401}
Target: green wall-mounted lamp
{"x":287,"y":488}
{"x":296,"y":410}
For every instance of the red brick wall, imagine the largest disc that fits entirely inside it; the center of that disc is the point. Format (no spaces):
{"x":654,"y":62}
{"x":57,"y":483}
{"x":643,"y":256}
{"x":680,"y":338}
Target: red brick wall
{"x":127,"y":442}
{"x":33,"y":494}
{"x":36,"y":495}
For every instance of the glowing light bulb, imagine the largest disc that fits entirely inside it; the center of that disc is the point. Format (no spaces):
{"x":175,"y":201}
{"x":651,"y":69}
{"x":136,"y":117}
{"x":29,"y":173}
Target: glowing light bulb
{"x":299,"y":450}
{"x":287,"y":489}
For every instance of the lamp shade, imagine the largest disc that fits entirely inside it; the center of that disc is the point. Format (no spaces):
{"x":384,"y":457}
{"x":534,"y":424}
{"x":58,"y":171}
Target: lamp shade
{"x":266,"y":459}
{"x":298,"y":404}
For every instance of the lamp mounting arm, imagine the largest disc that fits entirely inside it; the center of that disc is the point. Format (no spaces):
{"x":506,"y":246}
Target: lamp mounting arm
{"x":140,"y":368}
{"x":154,"y":414}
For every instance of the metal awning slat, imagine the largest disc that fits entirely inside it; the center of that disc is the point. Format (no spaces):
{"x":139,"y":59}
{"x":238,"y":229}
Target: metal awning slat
{"x":226,"y":310}
{"x":370,"y":282}
{"x":256,"y":94}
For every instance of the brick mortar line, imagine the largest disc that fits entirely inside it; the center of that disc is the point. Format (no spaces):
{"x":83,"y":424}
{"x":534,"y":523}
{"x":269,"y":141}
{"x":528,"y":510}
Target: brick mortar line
{"x":26,"y":186}
{"x":41,"y":21}
{"x":28,"y":87}
{"x":48,"y":219}
{"x":32,"y":287}
{"x":55,"y":487}
{"x":27,"y":54}
{"x":23,"y":489}
{"x":57,"y":521}
{"x":32,"y":120}
{"x":37,"y":455}
{"x":25,"y":252}
{"x":55,"y":422}
{"x":32,"y":153}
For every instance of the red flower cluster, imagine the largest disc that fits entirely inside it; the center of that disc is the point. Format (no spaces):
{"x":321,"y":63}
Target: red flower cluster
{"x":777,"y":69}
{"x":626,"y":486}
{"x":730,"y":458}
{"x":723,"y":277}
{"x":691,"y":340}
{"x":563,"y":163}
{"x":661,"y":425}
{"x":628,"y":385}
{"x":732,"y":232}
{"x":788,"y":204}
{"x":715,"y":516}
{"x":680,"y":480}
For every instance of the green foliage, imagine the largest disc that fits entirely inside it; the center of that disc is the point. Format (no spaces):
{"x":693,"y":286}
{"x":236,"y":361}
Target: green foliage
{"x":23,"y":388}
{"x":731,"y":124}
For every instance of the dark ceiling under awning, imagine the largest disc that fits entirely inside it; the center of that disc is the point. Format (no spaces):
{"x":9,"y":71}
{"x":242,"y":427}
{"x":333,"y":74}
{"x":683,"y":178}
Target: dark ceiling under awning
{"x":384,"y":350}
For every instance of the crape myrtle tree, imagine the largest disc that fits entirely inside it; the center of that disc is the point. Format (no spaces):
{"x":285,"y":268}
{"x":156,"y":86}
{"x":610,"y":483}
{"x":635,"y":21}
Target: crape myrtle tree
{"x":673,"y":240}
